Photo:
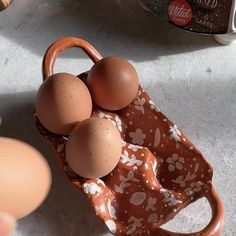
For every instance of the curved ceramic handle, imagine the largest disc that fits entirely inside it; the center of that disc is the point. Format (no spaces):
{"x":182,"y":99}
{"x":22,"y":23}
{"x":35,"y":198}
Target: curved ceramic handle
{"x":214,"y":228}
{"x":58,"y":46}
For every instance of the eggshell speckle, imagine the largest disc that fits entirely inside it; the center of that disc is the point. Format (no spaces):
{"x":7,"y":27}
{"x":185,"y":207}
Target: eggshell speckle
{"x":94,"y":148}
{"x":62,"y":101}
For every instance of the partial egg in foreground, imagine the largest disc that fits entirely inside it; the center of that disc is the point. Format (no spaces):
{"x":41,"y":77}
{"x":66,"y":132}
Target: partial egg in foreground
{"x":62,"y":101}
{"x":25,"y":178}
{"x":94,"y":148}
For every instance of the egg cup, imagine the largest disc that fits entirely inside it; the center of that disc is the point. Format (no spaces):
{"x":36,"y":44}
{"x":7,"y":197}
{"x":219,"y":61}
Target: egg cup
{"x":160,"y":171}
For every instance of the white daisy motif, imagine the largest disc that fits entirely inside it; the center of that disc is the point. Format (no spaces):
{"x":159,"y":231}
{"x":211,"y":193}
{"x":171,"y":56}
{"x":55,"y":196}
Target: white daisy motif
{"x":111,"y":226}
{"x":194,"y":188}
{"x":111,"y":210}
{"x":135,"y":148}
{"x":130,"y":160}
{"x":175,"y":133}
{"x":137,"y":137}
{"x":153,"y":106}
{"x":175,"y":162}
{"x":91,"y":188}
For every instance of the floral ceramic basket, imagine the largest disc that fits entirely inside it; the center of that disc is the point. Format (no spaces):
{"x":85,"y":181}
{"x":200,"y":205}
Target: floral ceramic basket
{"x":159,"y":173}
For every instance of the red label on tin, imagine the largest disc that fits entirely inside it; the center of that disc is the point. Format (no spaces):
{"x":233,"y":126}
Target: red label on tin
{"x":180,"y":12}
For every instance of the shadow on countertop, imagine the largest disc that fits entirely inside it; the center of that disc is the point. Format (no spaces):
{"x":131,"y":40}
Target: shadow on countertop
{"x":203,"y":109}
{"x":117,"y":27}
{"x":66,"y":211}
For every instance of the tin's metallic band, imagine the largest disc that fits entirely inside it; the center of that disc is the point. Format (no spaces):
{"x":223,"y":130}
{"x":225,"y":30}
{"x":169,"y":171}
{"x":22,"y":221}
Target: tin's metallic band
{"x":232,"y":19}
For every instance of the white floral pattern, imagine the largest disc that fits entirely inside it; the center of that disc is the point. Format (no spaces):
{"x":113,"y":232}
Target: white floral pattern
{"x":154,"y":167}
{"x":152,"y":218}
{"x":153,"y":106}
{"x":175,"y":133}
{"x":151,"y":204}
{"x":123,"y":143}
{"x":137,"y":137}
{"x":137,"y":198}
{"x":139,"y":103}
{"x":175,"y":162}
{"x":135,"y":148}
{"x":103,"y":115}
{"x":194,"y":188}
{"x":130,"y":161}
{"x":118,"y":123}
{"x":157,"y":138}
{"x":91,"y":188}
{"x":134,"y":185}
{"x":134,"y":224}
{"x":124,"y":182}
{"x":181,"y":180}
{"x":169,"y":198}
{"x":111,"y":210}
{"x":99,"y":181}
{"x":111,"y":226}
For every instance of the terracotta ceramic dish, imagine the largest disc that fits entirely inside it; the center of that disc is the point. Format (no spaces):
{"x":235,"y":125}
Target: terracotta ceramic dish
{"x":160,"y":171}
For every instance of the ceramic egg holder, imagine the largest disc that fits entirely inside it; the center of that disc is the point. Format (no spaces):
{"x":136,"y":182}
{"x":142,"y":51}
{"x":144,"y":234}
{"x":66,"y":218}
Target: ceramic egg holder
{"x":159,"y":173}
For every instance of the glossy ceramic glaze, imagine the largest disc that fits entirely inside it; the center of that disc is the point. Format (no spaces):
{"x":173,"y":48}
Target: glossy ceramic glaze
{"x":159,"y":173}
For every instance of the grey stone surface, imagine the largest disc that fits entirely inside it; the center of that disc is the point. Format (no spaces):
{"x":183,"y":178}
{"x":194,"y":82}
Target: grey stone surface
{"x":190,"y":77}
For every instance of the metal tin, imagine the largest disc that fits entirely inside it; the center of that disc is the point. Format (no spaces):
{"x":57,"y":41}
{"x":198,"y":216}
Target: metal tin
{"x":199,"y":16}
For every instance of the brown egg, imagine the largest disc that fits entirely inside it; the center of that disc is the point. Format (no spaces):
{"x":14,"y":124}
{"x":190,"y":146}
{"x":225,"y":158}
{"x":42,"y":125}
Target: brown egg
{"x":94,"y":148}
{"x":25,"y":178}
{"x":113,"y":83}
{"x":62,"y":101}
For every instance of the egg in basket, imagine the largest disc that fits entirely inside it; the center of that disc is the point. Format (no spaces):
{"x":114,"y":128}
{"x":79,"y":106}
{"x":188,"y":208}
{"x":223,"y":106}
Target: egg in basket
{"x":137,"y":169}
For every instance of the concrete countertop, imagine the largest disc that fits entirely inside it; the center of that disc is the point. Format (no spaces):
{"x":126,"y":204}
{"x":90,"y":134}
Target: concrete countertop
{"x":189,"y":76}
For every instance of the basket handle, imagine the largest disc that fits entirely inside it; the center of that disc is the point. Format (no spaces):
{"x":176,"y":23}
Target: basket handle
{"x":214,"y":228}
{"x":59,"y":46}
